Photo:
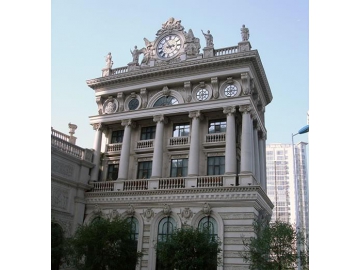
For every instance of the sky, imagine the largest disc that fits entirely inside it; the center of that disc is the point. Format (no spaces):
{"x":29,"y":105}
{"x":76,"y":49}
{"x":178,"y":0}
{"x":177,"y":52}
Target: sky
{"x":50,"y":48}
{"x":83,"y":32}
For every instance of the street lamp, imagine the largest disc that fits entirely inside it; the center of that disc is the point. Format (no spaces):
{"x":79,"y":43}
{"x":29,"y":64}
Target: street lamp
{"x":303,"y":130}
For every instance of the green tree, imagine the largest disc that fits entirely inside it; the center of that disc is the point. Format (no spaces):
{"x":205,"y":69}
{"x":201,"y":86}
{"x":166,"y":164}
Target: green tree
{"x":274,"y":247}
{"x":189,"y":248}
{"x":103,"y":245}
{"x":57,"y":245}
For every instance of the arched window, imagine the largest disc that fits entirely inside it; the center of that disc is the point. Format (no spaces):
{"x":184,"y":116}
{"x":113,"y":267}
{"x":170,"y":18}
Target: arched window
{"x":166,"y":227}
{"x":210,"y":224}
{"x":134,"y":228}
{"x":166,"y":101}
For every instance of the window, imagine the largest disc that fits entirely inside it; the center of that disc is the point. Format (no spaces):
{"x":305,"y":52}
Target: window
{"x":148,"y":133}
{"x":230,"y":90}
{"x":216,"y":165}
{"x":144,"y":170}
{"x":133,"y":104}
{"x":117,"y":136}
{"x":209,"y":223}
{"x":113,"y":170}
{"x":166,"y":228}
{"x":202,"y":94}
{"x":179,"y":167}
{"x":134,"y":228}
{"x":165,"y":101}
{"x":181,"y":130}
{"x":217,"y":126}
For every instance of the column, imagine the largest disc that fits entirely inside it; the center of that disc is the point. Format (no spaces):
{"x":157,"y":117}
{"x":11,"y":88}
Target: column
{"x":246,"y":140}
{"x":262,"y":157}
{"x":125,"y":149}
{"x":158,"y":146}
{"x":256,"y":151}
{"x":230,"y":147}
{"x":97,"y":153}
{"x":193,"y":165}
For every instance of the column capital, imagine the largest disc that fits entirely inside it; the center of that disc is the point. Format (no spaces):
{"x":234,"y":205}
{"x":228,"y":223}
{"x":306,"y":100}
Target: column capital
{"x":262,"y":135}
{"x":229,"y":110}
{"x":128,"y":122}
{"x":98,"y":126}
{"x":245,"y":108}
{"x":160,"y":118}
{"x":195,"y":114}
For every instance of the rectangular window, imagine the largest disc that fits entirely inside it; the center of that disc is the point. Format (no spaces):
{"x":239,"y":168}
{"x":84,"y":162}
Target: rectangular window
{"x":148,"y":133}
{"x":117,"y":136}
{"x":113,"y":170}
{"x":216,"y":165}
{"x":181,"y":130}
{"x":217,"y":126}
{"x":144,"y":170}
{"x":179,"y":167}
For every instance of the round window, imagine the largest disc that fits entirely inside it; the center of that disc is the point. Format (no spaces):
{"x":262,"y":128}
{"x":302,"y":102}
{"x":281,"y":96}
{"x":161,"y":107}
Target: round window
{"x":230,"y":90}
{"x":133,"y":104}
{"x":202,"y":94}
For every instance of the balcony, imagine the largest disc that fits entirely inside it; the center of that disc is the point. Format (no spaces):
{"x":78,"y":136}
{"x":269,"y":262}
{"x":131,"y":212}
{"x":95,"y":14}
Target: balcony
{"x":113,"y":148}
{"x":144,"y":146}
{"x":215,"y":140}
{"x":178,"y":143}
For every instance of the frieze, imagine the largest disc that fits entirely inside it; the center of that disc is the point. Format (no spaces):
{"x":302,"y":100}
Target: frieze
{"x":235,"y":216}
{"x":236,"y":240}
{"x":61,"y":168}
{"x":59,"y":197}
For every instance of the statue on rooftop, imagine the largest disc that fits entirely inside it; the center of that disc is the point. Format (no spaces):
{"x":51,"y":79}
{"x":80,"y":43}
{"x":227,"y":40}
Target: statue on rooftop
{"x":108,"y":60}
{"x":209,"y":39}
{"x":148,"y":51}
{"x":245,"y":33}
{"x":135,"y":54}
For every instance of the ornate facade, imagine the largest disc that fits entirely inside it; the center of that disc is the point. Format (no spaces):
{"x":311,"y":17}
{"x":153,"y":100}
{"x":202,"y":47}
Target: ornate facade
{"x":180,"y":141}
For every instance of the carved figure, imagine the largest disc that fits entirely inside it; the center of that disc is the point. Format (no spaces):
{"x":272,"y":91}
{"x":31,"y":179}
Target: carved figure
{"x":245,"y":33}
{"x":206,"y":209}
{"x":147,"y":51}
{"x":167,"y":210}
{"x":209,"y":38}
{"x":108,"y":60}
{"x":135,"y":54}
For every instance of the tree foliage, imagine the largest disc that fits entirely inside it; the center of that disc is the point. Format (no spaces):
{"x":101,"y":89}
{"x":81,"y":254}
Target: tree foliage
{"x":57,"y":245}
{"x":103,"y":245}
{"x":274,"y":247}
{"x":189,"y":248}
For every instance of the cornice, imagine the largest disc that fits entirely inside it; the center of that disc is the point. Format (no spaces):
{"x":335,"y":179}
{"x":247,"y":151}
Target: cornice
{"x":192,"y":66}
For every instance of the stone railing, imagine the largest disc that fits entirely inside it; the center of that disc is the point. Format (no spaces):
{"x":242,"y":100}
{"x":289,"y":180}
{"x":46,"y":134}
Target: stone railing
{"x":136,"y":185}
{"x":102,"y":186}
{"x":145,"y":144}
{"x":179,"y":140}
{"x":215,"y":137}
{"x":119,"y":70}
{"x":71,"y":149}
{"x":170,"y":183}
{"x":228,"y":50}
{"x":113,"y":147}
{"x":210,"y":181}
{"x":59,"y":135}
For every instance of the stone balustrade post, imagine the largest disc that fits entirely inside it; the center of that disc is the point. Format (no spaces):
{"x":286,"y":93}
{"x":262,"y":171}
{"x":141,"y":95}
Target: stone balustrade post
{"x":158,"y":146}
{"x":193,"y":165}
{"x":230,"y":147}
{"x":125,"y":149}
{"x":97,"y":151}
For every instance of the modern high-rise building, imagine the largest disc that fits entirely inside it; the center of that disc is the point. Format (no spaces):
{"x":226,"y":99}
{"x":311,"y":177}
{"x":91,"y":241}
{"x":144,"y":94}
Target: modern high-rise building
{"x":180,"y":140}
{"x":281,"y":173}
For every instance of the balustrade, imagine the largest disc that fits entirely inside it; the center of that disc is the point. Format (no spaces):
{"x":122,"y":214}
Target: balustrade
{"x":170,"y":183}
{"x":136,"y":185}
{"x":228,"y":50}
{"x":67,"y":147}
{"x":113,"y":147}
{"x":119,"y":70}
{"x":210,"y":181}
{"x":145,"y":144}
{"x":103,"y":186}
{"x":215,"y":137}
{"x":59,"y":135}
{"x":179,"y":140}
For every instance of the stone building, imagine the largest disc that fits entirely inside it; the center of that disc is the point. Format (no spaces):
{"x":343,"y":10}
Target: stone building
{"x":180,"y":141}
{"x":70,"y":175}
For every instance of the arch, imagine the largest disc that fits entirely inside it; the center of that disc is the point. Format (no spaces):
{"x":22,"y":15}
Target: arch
{"x":160,"y":94}
{"x":154,"y":235}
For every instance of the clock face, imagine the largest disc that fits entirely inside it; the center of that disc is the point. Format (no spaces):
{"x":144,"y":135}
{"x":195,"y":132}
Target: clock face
{"x":169,"y":46}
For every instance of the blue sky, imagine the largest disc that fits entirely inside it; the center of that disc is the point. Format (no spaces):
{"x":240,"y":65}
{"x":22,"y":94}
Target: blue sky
{"x":83,"y":32}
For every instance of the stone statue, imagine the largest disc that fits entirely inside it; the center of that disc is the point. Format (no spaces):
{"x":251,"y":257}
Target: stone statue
{"x":108,"y":60}
{"x":147,"y":51}
{"x":135,"y":54}
{"x":209,"y":38}
{"x":245,"y":33}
